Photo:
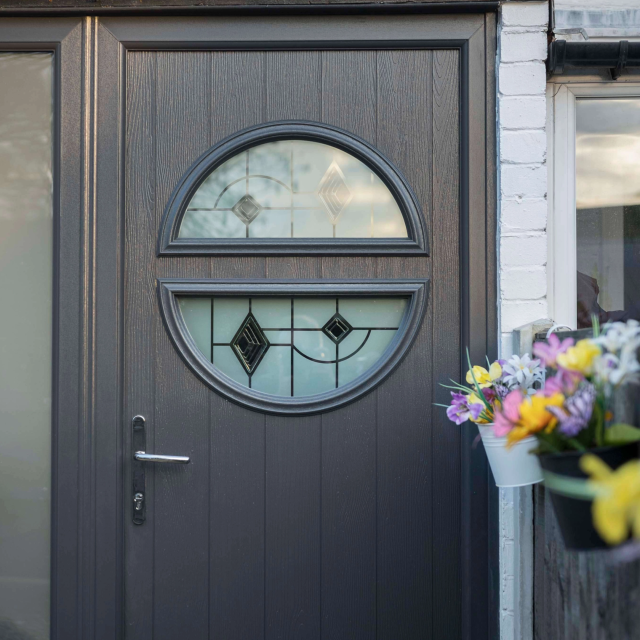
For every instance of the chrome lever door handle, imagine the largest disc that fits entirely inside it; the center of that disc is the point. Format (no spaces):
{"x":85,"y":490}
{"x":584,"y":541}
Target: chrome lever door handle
{"x":153,"y":457}
{"x":138,"y":472}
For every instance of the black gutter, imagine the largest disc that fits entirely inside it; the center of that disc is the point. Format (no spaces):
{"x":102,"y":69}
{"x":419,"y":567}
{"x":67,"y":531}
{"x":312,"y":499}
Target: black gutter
{"x":614,"y":56}
{"x":257,"y":10}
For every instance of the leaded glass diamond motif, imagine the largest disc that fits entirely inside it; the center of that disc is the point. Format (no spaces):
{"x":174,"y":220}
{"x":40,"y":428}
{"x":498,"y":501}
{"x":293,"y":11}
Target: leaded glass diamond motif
{"x":337,"y":329}
{"x":291,"y":346}
{"x":334,"y":193}
{"x":247,"y":209}
{"x":250,"y":344}
{"x":293,"y":189}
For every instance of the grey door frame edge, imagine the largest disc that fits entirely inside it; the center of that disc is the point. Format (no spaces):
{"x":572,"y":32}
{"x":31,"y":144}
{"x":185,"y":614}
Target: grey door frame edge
{"x":72,"y":416}
{"x":88,"y":494}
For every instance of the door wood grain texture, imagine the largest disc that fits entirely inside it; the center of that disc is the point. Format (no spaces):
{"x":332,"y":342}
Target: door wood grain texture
{"x":333,"y":526}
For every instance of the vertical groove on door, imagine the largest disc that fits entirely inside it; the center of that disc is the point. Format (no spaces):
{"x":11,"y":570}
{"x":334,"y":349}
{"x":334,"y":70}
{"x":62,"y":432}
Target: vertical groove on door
{"x":349,"y":434}
{"x":237,"y":501}
{"x":140,"y":320}
{"x":404,"y":447}
{"x":181,"y":589}
{"x":293,"y":445}
{"x":446,"y":342}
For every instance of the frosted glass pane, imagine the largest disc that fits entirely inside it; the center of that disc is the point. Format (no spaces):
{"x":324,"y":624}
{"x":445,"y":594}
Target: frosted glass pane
{"x":332,"y":340}
{"x":225,"y":360}
{"x":272,"y":313}
{"x":309,"y":313}
{"x":197,"y":316}
{"x":365,"y":358}
{"x":26,"y":232}
{"x":311,"y":378}
{"x":314,"y":344}
{"x":373,"y":312}
{"x":274,"y":373}
{"x":293,"y":188}
{"x":228,"y":314}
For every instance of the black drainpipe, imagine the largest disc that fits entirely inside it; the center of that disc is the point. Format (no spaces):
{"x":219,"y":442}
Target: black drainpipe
{"x":614,"y":56}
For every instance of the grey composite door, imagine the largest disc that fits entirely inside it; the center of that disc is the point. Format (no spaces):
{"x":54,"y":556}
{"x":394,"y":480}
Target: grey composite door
{"x":347,"y":519}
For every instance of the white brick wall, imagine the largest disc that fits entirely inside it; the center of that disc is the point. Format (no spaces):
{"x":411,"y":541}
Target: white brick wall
{"x":522,"y":140}
{"x":522,"y":48}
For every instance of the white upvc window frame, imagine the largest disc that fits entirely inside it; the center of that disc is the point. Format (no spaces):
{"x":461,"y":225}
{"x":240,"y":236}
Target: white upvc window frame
{"x":561,"y":225}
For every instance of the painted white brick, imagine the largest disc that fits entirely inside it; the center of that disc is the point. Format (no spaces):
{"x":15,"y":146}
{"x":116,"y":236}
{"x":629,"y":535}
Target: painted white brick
{"x":523,"y":112}
{"x":506,"y":345}
{"x":507,"y":597}
{"x":524,"y":284}
{"x":525,"y":215}
{"x":507,"y":626}
{"x":523,"y":181}
{"x":517,"y":46}
{"x":525,"y":14}
{"x":508,"y":557}
{"x":523,"y":146}
{"x":522,"y":79}
{"x":523,"y":251}
{"x":515,"y":314}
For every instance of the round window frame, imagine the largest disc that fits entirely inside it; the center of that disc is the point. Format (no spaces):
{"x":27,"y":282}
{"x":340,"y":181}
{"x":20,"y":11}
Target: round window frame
{"x":416,"y":243}
{"x":417,"y":290}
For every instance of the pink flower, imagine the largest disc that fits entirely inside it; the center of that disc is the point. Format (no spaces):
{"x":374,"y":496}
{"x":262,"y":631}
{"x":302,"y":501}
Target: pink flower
{"x":563,"y":381}
{"x":549,"y":351}
{"x":508,"y":415}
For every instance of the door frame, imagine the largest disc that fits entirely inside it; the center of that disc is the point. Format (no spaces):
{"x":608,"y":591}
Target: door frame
{"x":89,"y":430}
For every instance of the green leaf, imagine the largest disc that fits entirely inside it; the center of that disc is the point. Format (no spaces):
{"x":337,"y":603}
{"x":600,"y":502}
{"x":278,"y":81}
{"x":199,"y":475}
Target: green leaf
{"x":570,"y":487}
{"x":621,"y":434}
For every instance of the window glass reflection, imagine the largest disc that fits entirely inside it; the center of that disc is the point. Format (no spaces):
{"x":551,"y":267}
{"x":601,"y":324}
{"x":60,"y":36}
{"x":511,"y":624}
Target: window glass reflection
{"x":608,"y":209}
{"x":26,"y":233}
{"x":293,"y":189}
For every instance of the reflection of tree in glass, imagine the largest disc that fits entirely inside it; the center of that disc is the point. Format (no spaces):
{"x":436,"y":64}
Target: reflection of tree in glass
{"x":25,"y":135}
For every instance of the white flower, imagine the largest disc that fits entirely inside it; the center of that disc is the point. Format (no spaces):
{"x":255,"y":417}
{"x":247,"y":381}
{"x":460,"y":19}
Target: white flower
{"x":618,"y":334}
{"x":522,"y":373}
{"x":604,"y":366}
{"x":628,"y":370}
{"x":616,"y":370}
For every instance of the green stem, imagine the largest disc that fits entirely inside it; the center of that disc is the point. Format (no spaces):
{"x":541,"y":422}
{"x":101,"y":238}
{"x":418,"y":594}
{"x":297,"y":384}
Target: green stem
{"x":574,"y":443}
{"x":599,"y":431}
{"x":549,"y":444}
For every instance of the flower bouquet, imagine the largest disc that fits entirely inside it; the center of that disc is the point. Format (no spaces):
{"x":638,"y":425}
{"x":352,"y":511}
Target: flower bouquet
{"x":481,"y":401}
{"x":573,"y":413}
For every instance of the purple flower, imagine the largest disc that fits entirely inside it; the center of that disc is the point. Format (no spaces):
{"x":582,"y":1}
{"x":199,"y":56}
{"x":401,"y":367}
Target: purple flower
{"x":549,"y":351}
{"x":501,"y":390}
{"x":460,"y":410}
{"x":577,"y":410}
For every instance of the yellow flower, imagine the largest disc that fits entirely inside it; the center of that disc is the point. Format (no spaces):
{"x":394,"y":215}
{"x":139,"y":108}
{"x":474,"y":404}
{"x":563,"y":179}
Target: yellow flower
{"x":534,"y":416}
{"x":472,"y":398}
{"x":580,"y":357}
{"x":616,"y":507}
{"x":483,"y":377}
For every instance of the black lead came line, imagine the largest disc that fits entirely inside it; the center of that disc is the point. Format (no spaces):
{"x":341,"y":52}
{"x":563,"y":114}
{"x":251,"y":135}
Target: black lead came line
{"x":338,"y":359}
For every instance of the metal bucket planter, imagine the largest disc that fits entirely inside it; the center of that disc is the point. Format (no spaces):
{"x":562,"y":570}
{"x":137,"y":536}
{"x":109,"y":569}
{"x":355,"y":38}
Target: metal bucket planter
{"x":513,"y":467}
{"x":574,"y":515}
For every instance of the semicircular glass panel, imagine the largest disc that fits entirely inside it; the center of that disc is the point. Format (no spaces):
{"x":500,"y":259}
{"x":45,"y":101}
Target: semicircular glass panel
{"x":293,"y":189}
{"x":293,"y":346}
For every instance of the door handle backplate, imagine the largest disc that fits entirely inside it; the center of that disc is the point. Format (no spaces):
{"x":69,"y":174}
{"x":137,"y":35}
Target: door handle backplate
{"x":139,"y":444}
